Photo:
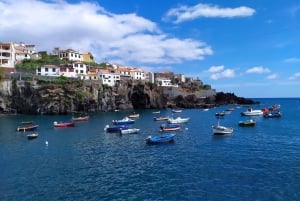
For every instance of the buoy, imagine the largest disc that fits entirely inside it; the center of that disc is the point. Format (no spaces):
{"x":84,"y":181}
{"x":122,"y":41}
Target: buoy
{"x":46,"y":143}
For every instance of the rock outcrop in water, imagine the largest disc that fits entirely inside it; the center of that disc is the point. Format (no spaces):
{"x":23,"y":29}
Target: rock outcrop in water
{"x":46,"y":97}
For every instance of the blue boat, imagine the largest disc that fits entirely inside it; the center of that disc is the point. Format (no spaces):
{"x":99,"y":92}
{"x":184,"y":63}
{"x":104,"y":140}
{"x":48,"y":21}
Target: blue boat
{"x":123,"y":121}
{"x":160,"y":139}
{"x":272,"y":114}
{"x":115,"y":128}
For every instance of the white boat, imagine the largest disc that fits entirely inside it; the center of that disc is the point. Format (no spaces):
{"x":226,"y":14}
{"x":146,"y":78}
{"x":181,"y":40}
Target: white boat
{"x":251,"y":112}
{"x":129,"y":131}
{"x":177,"y":120}
{"x":221,"y":130}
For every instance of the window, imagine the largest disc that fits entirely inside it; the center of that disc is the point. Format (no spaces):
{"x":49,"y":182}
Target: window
{"x":53,"y":70}
{"x":46,"y":69}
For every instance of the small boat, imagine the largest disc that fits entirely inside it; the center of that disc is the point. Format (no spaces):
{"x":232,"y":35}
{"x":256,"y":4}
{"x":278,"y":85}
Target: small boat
{"x":32,"y":136}
{"x":178,"y":120}
{"x":135,"y":115}
{"x":221,"y":130}
{"x":220,"y":114}
{"x":246,"y":123}
{"x":176,"y":110}
{"x":27,"y":128}
{"x":129,"y":131}
{"x":160,"y":139}
{"x":115,"y":128}
{"x":272,"y":114}
{"x":160,"y":118}
{"x":123,"y":121}
{"x":252,"y":112}
{"x":84,"y":118}
{"x":64,"y":124}
{"x":170,"y":127}
{"x":26,"y":122}
{"x":156,"y":112}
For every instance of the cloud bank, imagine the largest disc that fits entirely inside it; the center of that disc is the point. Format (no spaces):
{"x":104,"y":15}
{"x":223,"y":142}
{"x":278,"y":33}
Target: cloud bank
{"x":86,"y":26}
{"x":186,"y":13}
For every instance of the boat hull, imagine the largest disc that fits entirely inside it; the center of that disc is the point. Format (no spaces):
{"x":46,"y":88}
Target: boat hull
{"x":170,"y":127}
{"x":27,"y":128}
{"x":160,"y":139}
{"x":115,"y":128}
{"x":86,"y":118}
{"x":63,"y":125}
{"x":129,"y":131}
{"x":222,"y":130}
{"x":32,"y":136}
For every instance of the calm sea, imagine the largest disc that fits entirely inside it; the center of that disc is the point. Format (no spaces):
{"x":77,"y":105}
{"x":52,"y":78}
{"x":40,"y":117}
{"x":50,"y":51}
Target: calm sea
{"x":85,"y":163}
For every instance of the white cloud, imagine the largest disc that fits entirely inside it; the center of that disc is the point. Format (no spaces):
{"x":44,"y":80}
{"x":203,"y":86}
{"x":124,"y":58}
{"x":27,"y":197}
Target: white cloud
{"x":184,"y":13}
{"x":295,"y":76}
{"x":272,"y":76}
{"x":127,"y":39}
{"x":292,"y":60}
{"x":214,"y":69}
{"x":258,"y":70}
{"x":228,"y":73}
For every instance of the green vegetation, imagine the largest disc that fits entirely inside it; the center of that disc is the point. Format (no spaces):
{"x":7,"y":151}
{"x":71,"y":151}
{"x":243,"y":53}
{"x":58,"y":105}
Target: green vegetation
{"x":2,"y":74}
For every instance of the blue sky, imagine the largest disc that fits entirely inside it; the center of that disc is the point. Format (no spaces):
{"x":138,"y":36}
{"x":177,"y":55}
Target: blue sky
{"x":247,"y":47}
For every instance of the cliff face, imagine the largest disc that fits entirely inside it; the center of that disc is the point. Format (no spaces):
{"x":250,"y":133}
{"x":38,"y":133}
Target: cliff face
{"x":44,"y":97}
{"x":57,"y":98}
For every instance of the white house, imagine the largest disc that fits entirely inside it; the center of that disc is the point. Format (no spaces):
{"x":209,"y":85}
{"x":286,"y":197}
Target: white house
{"x":108,"y":77}
{"x":48,"y":70}
{"x":137,"y":74}
{"x":7,"y":55}
{"x":70,"y":55}
{"x":164,"y":82}
{"x":80,"y":69}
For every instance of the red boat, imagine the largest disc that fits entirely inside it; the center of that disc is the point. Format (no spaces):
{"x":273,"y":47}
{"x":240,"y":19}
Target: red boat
{"x":64,"y":124}
{"x":85,"y":118}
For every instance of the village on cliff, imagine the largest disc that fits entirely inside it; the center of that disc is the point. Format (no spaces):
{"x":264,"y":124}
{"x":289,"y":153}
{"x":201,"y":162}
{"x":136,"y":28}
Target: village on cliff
{"x":176,"y":90}
{"x":81,"y":65}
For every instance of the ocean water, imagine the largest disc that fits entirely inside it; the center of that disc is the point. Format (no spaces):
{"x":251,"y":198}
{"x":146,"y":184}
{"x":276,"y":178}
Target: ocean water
{"x":85,"y":163}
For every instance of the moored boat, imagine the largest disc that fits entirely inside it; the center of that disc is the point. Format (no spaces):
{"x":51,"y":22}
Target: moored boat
{"x":115,"y":128}
{"x":170,"y":127}
{"x":221,"y":130}
{"x":252,"y":112}
{"x":272,"y":114}
{"x":32,"y":136}
{"x":178,"y":120}
{"x":160,"y":139}
{"x":26,"y":122}
{"x":27,"y":128}
{"x":129,"y":130}
{"x":156,"y":112}
{"x":123,"y":121}
{"x":64,"y":124}
{"x":134,"y":115}
{"x":220,"y":114}
{"x":83,"y":118}
{"x":160,"y":118}
{"x":247,"y":123}
{"x":176,"y":110}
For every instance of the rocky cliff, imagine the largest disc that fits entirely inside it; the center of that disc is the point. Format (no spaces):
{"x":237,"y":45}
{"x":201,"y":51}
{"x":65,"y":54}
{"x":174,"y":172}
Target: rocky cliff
{"x":63,"y":97}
